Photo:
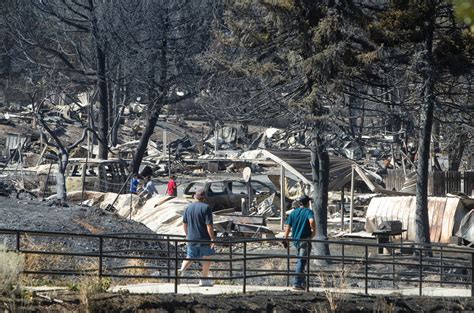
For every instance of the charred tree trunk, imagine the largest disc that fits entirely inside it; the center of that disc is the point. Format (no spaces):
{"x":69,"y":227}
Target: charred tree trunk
{"x":147,"y":132}
{"x":111,"y":94}
{"x":457,"y":151}
{"x":120,"y":109}
{"x":362,"y":120}
{"x":61,"y":193}
{"x":421,"y":213}
{"x":422,"y":231}
{"x":155,"y":105}
{"x":320,"y":175}
{"x":101,"y":63}
{"x":352,"y":115}
{"x":103,"y":104}
{"x":117,"y":99}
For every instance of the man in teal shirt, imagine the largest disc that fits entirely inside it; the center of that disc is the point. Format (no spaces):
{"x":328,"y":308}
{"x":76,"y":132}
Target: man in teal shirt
{"x":302,"y":226}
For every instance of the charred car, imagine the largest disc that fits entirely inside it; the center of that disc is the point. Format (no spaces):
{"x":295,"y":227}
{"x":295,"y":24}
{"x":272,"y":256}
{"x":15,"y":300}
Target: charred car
{"x":224,"y":194}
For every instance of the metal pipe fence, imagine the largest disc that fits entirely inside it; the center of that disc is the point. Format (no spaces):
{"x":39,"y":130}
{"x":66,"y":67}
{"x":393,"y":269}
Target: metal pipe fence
{"x":354,"y":264}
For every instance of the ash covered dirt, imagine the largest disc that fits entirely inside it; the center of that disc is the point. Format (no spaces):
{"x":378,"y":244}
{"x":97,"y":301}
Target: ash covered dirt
{"x":251,"y":302}
{"x":27,"y":214}
{"x":36,"y":215}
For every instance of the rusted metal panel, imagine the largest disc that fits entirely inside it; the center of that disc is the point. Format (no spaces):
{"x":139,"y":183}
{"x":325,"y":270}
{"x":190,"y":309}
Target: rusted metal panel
{"x":453,"y":210}
{"x":436,"y":220}
{"x":405,"y":214}
{"x":432,"y":207}
{"x":435,"y":207}
{"x":444,"y":214}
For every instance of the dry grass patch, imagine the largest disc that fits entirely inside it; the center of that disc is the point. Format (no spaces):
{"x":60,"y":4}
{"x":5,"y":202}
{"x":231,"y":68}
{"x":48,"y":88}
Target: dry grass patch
{"x":11,"y":265}
{"x":49,"y":262}
{"x":381,"y":305}
{"x":276,"y":264}
{"x":38,"y":261}
{"x":334,"y":285}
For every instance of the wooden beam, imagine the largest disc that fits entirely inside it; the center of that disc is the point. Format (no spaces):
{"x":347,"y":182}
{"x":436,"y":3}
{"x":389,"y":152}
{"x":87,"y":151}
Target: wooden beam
{"x":282,"y":196}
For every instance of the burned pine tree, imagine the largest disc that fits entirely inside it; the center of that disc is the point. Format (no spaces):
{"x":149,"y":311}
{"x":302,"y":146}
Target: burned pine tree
{"x":163,"y":42}
{"x":291,"y":59}
{"x":430,"y":50}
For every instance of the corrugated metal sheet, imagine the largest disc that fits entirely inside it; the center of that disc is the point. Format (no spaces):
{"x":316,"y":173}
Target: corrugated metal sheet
{"x":444,"y":213}
{"x":299,"y":163}
{"x":466,"y":230}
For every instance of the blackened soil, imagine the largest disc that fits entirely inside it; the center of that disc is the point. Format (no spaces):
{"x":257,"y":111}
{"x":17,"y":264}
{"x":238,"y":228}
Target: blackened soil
{"x":253,"y":302}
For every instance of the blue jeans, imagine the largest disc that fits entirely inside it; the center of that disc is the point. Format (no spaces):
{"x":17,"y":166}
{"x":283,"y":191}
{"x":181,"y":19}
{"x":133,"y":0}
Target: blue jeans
{"x":304,"y":249}
{"x":198,"y":251}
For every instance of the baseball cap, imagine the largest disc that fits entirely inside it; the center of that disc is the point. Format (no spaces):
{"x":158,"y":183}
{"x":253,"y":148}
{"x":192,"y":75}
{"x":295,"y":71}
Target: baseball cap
{"x":200,"y":194}
{"x":304,"y":199}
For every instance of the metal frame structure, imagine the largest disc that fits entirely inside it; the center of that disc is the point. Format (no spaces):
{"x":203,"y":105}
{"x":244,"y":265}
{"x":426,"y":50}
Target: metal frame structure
{"x":237,"y":261}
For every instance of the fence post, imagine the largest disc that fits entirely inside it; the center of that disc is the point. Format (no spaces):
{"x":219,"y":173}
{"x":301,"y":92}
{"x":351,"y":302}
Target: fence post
{"x":341,"y":207}
{"x":176,"y":266}
{"x":472,"y":274}
{"x":421,"y":272}
{"x":441,"y":270}
{"x":230,"y":261}
{"x":393,"y":268}
{"x":18,"y":241}
{"x":343,"y":253}
{"x":168,"y":248}
{"x":366,"y":269}
{"x":245,"y":268}
{"x":101,"y":243}
{"x":308,"y":241}
{"x":287,"y":263}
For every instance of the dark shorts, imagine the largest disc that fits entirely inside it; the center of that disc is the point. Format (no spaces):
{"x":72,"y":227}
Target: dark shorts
{"x":199,"y":251}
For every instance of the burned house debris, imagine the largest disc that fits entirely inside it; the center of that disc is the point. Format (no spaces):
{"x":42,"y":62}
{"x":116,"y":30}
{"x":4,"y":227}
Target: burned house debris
{"x":182,"y":149}
{"x":345,"y":128}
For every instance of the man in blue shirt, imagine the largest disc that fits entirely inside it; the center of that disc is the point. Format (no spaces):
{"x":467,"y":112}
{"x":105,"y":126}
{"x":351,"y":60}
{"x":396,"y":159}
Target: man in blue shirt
{"x":134,"y":183}
{"x":198,"y":225}
{"x":302,"y":226}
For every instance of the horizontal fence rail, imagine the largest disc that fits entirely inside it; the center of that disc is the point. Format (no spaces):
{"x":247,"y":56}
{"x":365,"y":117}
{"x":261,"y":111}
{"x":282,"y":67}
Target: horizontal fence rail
{"x":351,"y":264}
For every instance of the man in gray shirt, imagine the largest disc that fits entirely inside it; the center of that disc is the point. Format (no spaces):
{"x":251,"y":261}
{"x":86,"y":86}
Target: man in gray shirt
{"x":198,"y":225}
{"x":149,"y":189}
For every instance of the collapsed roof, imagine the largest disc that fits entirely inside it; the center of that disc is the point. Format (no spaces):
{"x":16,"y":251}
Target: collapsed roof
{"x":298,"y":162}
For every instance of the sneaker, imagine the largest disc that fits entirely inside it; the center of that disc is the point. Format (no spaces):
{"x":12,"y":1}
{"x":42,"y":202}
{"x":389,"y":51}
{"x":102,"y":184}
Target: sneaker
{"x":297,"y":287}
{"x":205,"y":283}
{"x":180,"y":274}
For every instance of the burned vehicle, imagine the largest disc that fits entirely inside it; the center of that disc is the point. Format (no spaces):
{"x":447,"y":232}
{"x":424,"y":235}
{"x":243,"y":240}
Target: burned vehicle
{"x":224,"y":194}
{"x":98,"y":175}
